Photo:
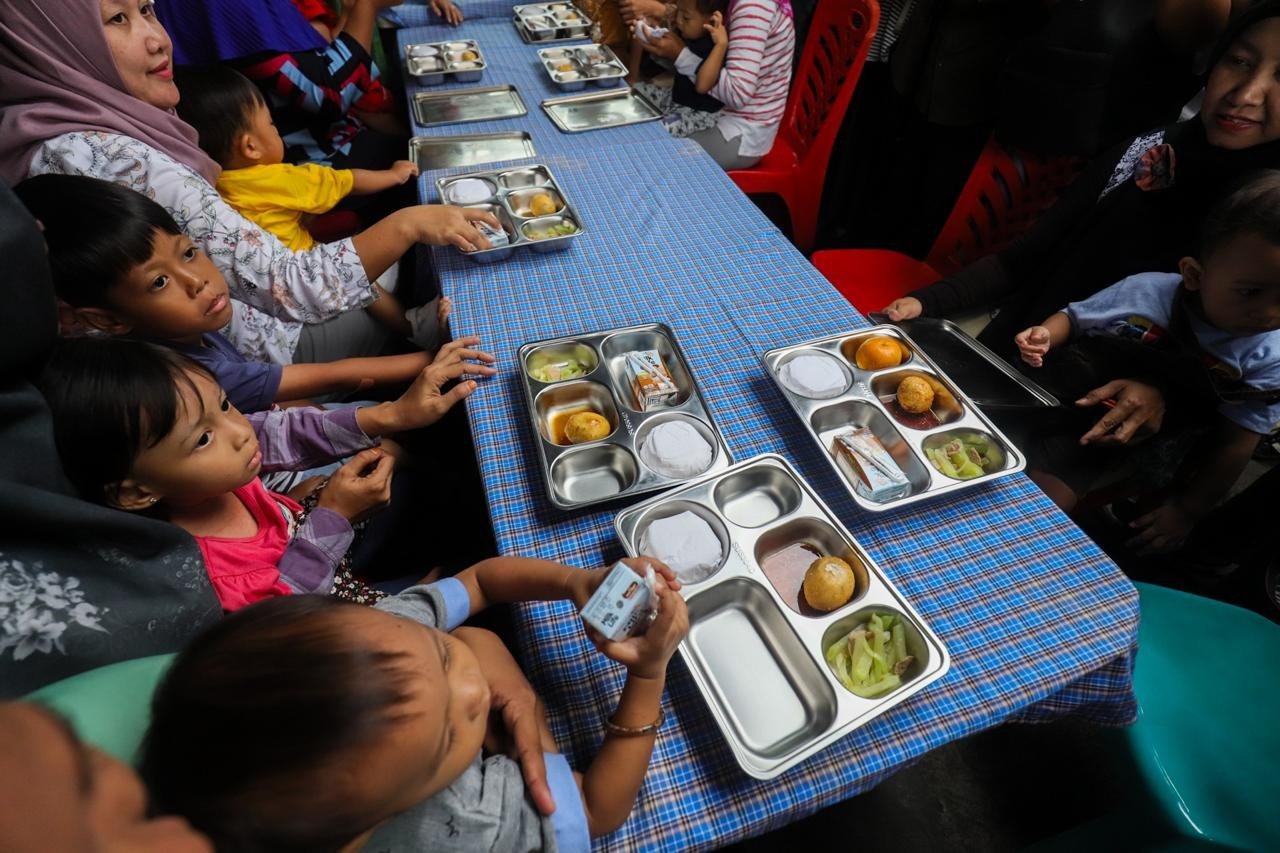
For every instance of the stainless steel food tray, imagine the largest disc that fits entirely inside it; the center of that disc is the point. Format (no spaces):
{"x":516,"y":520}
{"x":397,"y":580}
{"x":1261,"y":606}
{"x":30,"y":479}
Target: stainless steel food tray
{"x":455,"y":106}
{"x":862,"y":404}
{"x":592,"y":63}
{"x":470,"y":149}
{"x":596,"y":110}
{"x":754,"y":649}
{"x":983,"y":376}
{"x":434,"y":62}
{"x":594,"y":472}
{"x":544,"y":23}
{"x":510,"y":188}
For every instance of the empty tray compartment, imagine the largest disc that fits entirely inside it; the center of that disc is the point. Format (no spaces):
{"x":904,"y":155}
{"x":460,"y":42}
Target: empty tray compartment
{"x":768,"y":689}
{"x":757,"y":496}
{"x":593,"y":472}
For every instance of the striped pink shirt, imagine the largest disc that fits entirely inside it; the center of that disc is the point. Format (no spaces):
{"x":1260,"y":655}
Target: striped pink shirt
{"x":756,"y":77}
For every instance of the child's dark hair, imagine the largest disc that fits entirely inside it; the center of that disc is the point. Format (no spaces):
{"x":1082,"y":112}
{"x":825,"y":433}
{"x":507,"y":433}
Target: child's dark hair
{"x":255,"y":710}
{"x":111,"y":399}
{"x":710,"y":7}
{"x":1253,"y":208}
{"x":97,"y":232}
{"x":218,"y":102}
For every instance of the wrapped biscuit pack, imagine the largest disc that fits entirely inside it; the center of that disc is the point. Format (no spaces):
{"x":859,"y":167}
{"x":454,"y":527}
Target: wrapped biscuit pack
{"x":624,"y":604}
{"x":874,"y":473}
{"x":496,"y":236}
{"x":651,"y":382}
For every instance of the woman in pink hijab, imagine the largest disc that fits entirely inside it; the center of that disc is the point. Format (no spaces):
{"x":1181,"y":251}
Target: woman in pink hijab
{"x":86,"y":88}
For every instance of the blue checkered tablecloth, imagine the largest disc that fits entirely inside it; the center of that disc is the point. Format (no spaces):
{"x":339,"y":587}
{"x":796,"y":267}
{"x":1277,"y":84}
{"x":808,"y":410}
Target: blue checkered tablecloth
{"x":1039,"y":623}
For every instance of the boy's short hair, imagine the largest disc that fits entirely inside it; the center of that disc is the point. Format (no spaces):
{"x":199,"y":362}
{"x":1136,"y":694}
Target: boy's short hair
{"x":710,"y":7}
{"x":111,"y":398}
{"x":97,"y":232}
{"x":1252,"y":208}
{"x":252,"y":715}
{"x":218,"y":102}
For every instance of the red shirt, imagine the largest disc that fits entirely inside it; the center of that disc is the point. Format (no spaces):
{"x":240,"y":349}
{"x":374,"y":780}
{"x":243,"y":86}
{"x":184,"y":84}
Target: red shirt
{"x":244,"y":570}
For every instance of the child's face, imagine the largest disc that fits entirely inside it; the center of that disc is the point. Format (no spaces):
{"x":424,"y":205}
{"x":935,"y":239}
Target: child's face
{"x":176,"y":295}
{"x":1242,"y":95}
{"x":441,"y":728}
{"x":1238,"y":285}
{"x":211,"y":451}
{"x":262,"y":134}
{"x":689,"y":21}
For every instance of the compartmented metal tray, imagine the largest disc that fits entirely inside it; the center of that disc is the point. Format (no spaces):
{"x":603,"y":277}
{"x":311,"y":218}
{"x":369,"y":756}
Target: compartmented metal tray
{"x":755,"y":648}
{"x":551,"y":22}
{"x":470,"y":149}
{"x":596,"y":110}
{"x":867,"y":400}
{"x":505,"y":193}
{"x":460,"y":61}
{"x":455,"y":106}
{"x":572,"y":68}
{"x":579,"y":475}
{"x":986,"y":378}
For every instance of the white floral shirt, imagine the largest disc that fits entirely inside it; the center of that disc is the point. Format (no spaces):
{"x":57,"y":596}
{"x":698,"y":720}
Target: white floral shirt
{"x":275,"y":291}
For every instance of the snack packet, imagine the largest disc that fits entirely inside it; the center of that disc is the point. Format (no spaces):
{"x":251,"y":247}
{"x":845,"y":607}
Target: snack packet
{"x":625,"y":604}
{"x":651,"y":382}
{"x":874,"y":473}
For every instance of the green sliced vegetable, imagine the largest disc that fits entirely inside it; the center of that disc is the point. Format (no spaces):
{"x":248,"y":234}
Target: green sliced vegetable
{"x":871,"y":659}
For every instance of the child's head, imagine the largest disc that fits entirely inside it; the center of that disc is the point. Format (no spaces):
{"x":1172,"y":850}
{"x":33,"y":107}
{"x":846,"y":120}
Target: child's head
{"x":693,"y":15}
{"x":231,"y":117}
{"x":301,"y":722}
{"x":138,"y":425}
{"x":1237,"y":275}
{"x":122,"y":263}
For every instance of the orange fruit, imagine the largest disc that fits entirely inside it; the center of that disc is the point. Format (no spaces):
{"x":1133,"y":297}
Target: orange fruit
{"x":878,"y":353}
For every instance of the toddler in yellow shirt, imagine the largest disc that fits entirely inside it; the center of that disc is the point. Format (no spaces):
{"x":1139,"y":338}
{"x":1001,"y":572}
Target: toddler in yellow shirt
{"x":236,"y":129}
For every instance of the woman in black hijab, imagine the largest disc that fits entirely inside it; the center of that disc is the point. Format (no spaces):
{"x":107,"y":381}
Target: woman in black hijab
{"x":1138,"y":208}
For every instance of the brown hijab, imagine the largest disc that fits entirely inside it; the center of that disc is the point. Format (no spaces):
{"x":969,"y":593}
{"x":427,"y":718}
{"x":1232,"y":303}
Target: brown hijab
{"x":57,"y":76}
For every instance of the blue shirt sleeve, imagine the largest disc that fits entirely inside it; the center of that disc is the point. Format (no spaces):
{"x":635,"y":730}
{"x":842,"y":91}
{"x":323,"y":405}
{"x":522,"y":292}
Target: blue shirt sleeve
{"x":569,"y":820}
{"x":251,"y":386}
{"x":457,"y":602}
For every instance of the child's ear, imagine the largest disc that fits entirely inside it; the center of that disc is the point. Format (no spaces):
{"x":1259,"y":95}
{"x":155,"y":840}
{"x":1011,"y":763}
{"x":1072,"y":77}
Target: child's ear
{"x":247,"y":147}
{"x":1191,"y":273}
{"x":102,"y":319}
{"x":130,"y":495}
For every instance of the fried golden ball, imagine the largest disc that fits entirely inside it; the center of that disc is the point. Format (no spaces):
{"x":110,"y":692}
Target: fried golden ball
{"x":915,"y":395}
{"x":878,"y":353}
{"x":828,"y":583}
{"x":542,"y":204}
{"x":585,"y":426}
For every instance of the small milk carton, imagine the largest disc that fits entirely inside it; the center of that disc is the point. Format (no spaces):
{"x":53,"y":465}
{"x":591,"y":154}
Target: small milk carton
{"x":620,"y":606}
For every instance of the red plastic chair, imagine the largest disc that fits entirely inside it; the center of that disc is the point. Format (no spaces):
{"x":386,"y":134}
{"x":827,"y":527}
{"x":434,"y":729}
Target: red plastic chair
{"x":1006,"y":192}
{"x":796,"y":167}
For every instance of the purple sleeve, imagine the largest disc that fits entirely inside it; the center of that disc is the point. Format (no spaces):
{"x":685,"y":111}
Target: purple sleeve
{"x":304,"y":437}
{"x":314,"y":552}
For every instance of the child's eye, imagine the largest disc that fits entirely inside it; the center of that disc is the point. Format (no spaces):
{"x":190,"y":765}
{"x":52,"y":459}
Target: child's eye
{"x":1248,"y":292}
{"x":159,"y":282}
{"x":1240,"y":60}
{"x":190,"y":253}
{"x":205,"y":438}
{"x":225,"y":405}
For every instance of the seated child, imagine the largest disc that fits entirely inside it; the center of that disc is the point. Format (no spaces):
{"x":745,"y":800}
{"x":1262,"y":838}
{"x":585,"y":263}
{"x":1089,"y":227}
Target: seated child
{"x":144,"y":429}
{"x":1208,"y":335}
{"x":236,"y":130}
{"x":373,"y":733}
{"x":686,"y":105}
{"x":121,"y":263}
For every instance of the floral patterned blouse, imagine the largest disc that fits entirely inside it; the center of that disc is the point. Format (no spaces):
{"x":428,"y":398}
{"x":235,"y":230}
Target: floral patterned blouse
{"x":274,"y":291}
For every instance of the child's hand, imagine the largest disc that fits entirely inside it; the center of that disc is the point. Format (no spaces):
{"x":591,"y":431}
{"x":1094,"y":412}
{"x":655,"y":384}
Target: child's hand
{"x":443,"y":309}
{"x":361,"y":487}
{"x":447,"y":10}
{"x":1033,"y":343}
{"x":1162,"y":530}
{"x":404,"y":170}
{"x":424,"y":403}
{"x":584,"y":584}
{"x":647,"y":655}
{"x":715,"y":29}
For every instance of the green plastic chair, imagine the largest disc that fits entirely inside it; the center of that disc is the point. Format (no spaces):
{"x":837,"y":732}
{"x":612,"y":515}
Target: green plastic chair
{"x":110,"y":706}
{"x":1202,"y":762}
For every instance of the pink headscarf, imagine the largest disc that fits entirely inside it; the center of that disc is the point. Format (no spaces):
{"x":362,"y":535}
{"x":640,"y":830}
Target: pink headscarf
{"x":57,"y":76}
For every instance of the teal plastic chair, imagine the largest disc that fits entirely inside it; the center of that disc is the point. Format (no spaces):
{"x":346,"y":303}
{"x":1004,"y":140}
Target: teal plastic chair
{"x":109,"y":707}
{"x":1203,"y":760}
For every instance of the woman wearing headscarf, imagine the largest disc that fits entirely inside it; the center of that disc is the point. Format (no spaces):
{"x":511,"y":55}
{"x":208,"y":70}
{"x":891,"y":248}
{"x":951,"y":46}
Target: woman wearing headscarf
{"x":319,"y":90}
{"x":86,"y":88}
{"x":1138,"y":207}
